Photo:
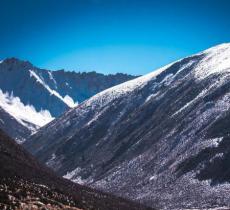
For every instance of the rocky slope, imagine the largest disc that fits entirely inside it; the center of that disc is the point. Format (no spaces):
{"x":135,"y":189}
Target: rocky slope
{"x":162,"y":139}
{"x":26,"y":184}
{"x":36,"y":96}
{"x":10,"y":125}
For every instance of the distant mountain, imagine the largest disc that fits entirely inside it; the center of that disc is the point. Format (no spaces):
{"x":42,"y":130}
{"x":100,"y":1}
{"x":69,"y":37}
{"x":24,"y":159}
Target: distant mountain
{"x":36,"y":96}
{"x":26,"y":184}
{"x":162,"y":139}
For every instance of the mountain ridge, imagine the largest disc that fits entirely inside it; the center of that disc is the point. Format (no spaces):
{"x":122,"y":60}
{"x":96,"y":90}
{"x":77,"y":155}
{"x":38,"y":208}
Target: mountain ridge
{"x":135,"y":139}
{"x":35,"y":96}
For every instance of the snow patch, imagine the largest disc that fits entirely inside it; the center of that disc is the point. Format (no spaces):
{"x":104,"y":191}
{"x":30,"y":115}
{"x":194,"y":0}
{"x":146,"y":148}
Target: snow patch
{"x":67,"y":99}
{"x":153,"y":178}
{"x":207,"y":144}
{"x":73,"y":173}
{"x":215,"y":142}
{"x":151,"y":97}
{"x":216,"y":60}
{"x":202,"y":93}
{"x":51,"y":161}
{"x":73,"y":176}
{"x":52,"y":78}
{"x":217,"y":156}
{"x":1,"y":121}
{"x":24,"y":114}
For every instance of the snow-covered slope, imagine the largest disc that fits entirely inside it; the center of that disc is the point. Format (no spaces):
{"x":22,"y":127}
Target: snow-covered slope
{"x":36,"y":96}
{"x":162,"y":138}
{"x":24,"y":114}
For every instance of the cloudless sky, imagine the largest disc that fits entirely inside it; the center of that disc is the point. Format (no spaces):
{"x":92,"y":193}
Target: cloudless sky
{"x":109,"y":36}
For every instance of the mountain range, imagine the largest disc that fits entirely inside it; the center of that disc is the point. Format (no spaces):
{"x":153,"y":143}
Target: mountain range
{"x":32,"y":97}
{"x":161,"y":139}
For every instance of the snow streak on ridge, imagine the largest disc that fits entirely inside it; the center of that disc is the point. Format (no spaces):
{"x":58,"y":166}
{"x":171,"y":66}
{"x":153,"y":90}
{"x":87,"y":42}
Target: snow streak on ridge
{"x":67,"y":99}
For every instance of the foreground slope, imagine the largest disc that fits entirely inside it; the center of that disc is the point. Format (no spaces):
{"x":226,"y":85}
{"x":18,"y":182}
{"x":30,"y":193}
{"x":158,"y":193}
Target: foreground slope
{"x":162,"y":138}
{"x":25,"y":184}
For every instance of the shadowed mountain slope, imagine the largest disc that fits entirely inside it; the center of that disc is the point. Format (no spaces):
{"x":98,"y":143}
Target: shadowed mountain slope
{"x":26,"y":184}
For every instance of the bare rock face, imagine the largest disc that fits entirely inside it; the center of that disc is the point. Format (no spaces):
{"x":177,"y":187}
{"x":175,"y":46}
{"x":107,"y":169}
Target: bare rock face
{"x":162,"y":139}
{"x":26,"y":184}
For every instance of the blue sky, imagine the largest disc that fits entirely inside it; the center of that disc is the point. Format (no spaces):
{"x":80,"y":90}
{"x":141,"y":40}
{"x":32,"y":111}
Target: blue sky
{"x":109,"y":36}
